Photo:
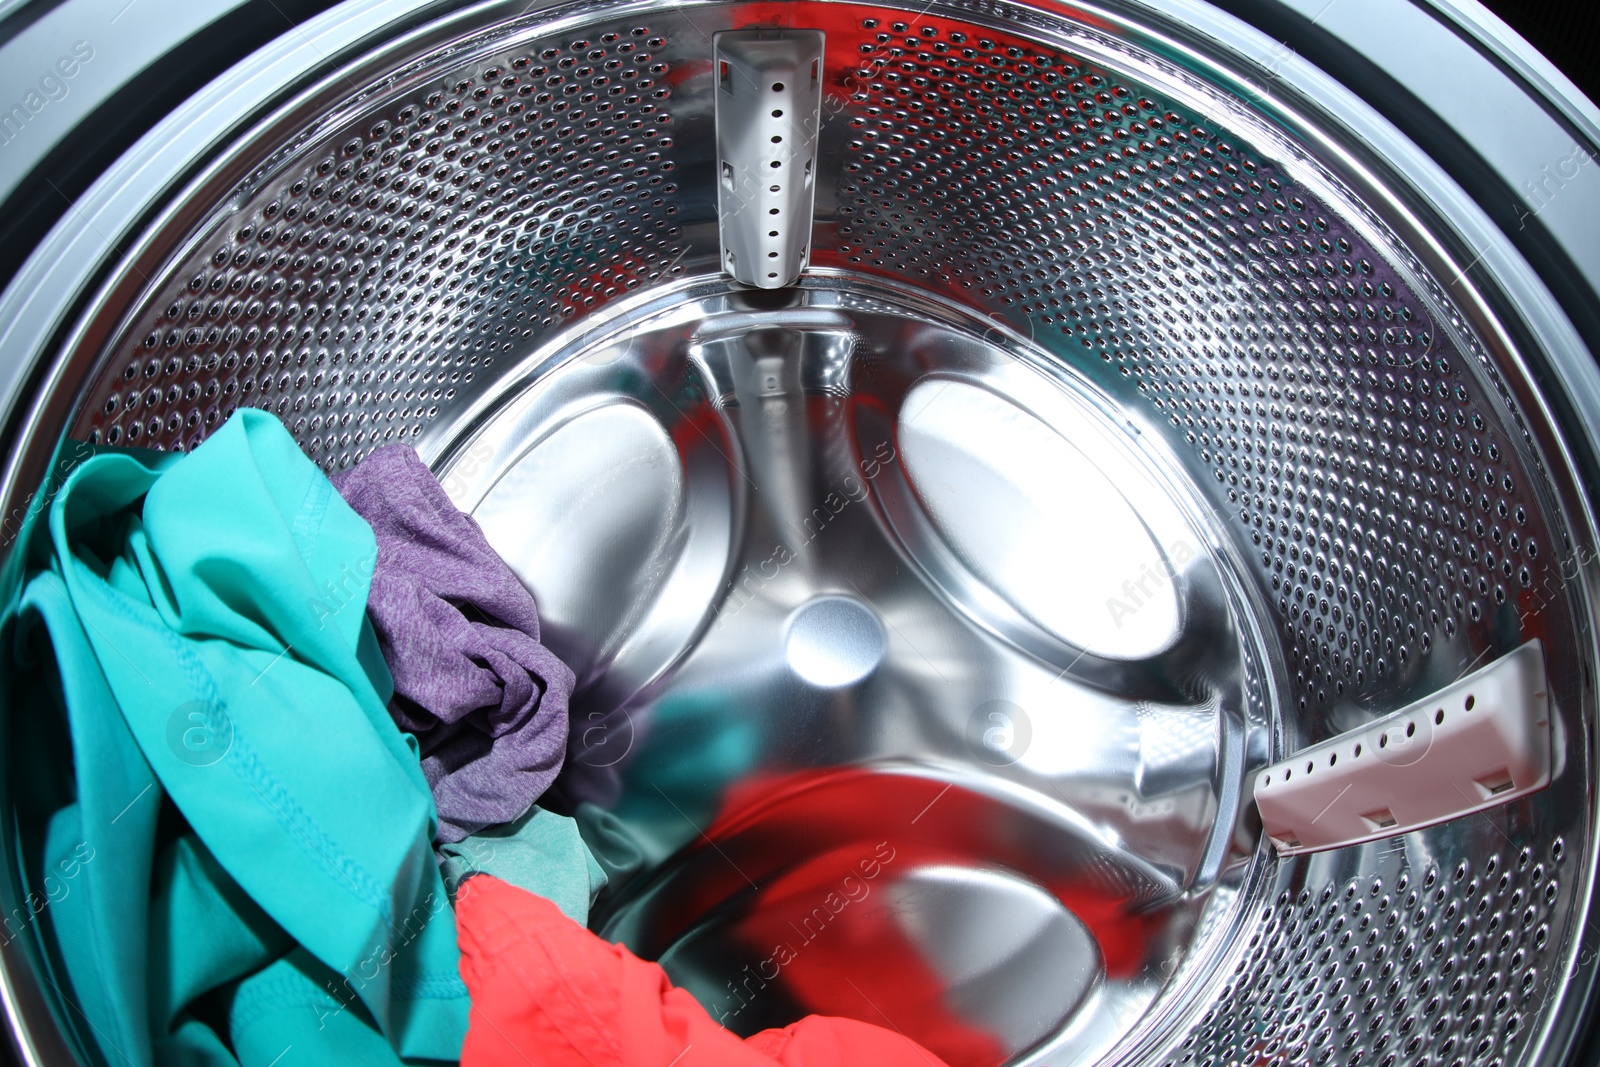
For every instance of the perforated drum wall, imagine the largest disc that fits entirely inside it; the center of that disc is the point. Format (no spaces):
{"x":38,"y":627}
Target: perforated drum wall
{"x":1429,"y":966}
{"x":378,"y":272}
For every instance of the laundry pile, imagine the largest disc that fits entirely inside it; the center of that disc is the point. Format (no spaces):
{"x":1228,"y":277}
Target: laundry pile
{"x":277,"y":744}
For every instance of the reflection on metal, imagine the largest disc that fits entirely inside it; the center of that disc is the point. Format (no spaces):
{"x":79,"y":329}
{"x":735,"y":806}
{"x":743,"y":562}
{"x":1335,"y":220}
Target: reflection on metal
{"x":1046,"y":528}
{"x":623,"y":536}
{"x":1007,"y":953}
{"x":856,"y":910}
{"x":834,"y":641}
{"x":607,"y":477}
{"x":787,"y":664}
{"x":1482,"y":741}
{"x":1272,"y":292}
{"x":768,"y":112}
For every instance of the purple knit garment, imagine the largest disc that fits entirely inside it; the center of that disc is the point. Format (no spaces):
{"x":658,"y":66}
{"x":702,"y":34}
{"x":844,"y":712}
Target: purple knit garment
{"x":460,"y":634}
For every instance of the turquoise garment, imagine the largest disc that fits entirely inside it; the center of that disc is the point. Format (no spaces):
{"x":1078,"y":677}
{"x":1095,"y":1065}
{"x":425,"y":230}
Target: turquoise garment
{"x":694,"y":745}
{"x":98,"y":845}
{"x":541,"y":852}
{"x":611,"y":842}
{"x":205,"y":934}
{"x":217,"y":600}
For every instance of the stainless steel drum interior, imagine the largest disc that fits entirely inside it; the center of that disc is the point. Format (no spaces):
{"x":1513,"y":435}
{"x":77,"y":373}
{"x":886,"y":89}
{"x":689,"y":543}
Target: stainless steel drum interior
{"x":1126,"y":431}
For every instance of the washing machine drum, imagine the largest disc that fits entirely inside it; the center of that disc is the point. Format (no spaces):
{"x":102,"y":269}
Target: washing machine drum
{"x":1072,"y":524}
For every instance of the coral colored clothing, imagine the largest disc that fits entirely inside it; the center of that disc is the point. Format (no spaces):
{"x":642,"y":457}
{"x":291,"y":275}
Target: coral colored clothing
{"x":547,"y":991}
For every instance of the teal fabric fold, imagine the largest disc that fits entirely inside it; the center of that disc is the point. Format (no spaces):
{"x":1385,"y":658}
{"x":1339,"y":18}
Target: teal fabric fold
{"x":205,"y":934}
{"x":611,"y":842}
{"x":207,"y":615}
{"x":541,"y":852}
{"x":98,"y":847}
{"x":298,"y":1004}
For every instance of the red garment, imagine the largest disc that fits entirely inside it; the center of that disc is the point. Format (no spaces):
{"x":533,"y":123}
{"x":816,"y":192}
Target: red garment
{"x":548,"y":993}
